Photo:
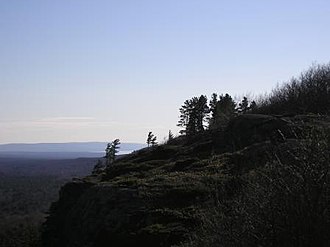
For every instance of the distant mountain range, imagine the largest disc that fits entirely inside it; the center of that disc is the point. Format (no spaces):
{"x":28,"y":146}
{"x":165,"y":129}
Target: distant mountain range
{"x":62,"y":150}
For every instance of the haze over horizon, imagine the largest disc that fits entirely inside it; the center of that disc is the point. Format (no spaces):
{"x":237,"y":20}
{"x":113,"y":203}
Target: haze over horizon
{"x":74,"y":71}
{"x":62,"y":150}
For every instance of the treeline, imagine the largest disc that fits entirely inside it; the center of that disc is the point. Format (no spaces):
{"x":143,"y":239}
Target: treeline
{"x":307,"y":94}
{"x":197,"y":114}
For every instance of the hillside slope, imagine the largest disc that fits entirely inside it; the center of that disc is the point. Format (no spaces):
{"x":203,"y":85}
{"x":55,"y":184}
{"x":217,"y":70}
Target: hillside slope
{"x":160,"y":196}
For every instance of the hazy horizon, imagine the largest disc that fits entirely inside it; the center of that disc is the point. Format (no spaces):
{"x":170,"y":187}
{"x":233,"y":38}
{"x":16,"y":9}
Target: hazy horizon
{"x":67,"y":146}
{"x":76,"y":142}
{"x":62,"y":150}
{"x":73,"y":71}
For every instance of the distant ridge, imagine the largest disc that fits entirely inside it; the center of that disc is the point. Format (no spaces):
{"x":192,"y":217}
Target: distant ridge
{"x":65,"y":147}
{"x":62,"y":150}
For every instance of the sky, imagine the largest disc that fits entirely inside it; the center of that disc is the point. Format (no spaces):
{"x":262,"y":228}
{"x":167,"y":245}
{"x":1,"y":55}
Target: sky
{"x":96,"y":70}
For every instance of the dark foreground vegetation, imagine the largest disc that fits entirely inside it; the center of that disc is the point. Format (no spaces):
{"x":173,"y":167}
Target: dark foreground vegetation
{"x":249,"y":173}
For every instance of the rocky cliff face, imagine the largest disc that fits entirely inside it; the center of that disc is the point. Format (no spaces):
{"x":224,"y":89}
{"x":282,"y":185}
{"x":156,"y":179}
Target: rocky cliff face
{"x":156,"y":196}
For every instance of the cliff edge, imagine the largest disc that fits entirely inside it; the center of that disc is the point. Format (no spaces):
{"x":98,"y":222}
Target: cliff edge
{"x":158,"y":196}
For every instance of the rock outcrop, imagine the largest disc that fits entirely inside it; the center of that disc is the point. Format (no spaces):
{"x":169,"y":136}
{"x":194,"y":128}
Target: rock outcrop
{"x":155,"y":196}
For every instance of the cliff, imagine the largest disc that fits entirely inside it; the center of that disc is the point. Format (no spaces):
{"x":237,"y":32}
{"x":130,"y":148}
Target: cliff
{"x":159,"y":196}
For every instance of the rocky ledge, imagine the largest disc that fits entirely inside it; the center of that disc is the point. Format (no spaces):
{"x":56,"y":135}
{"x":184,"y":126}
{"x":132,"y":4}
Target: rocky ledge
{"x":156,"y":196}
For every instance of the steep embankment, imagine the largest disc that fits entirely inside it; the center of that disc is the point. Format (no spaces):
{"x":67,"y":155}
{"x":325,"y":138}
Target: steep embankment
{"x":156,"y":196}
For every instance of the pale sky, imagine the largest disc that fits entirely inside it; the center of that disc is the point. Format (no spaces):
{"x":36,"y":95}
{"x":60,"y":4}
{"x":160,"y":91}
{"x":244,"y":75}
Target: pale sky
{"x":96,"y":70}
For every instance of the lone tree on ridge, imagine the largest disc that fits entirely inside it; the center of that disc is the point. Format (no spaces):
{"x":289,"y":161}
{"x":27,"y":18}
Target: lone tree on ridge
{"x":111,"y":151}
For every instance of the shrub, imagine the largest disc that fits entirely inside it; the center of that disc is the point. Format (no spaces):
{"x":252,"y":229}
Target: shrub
{"x":309,"y":93}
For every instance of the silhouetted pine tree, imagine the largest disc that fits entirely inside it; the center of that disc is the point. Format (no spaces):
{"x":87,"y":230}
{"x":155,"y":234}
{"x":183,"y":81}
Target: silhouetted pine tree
{"x":212,"y":105}
{"x":202,"y":112}
{"x":149,"y":138}
{"x":192,"y":115}
{"x":243,"y":106}
{"x":224,"y":110}
{"x":111,"y":151}
{"x":154,"y":141}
